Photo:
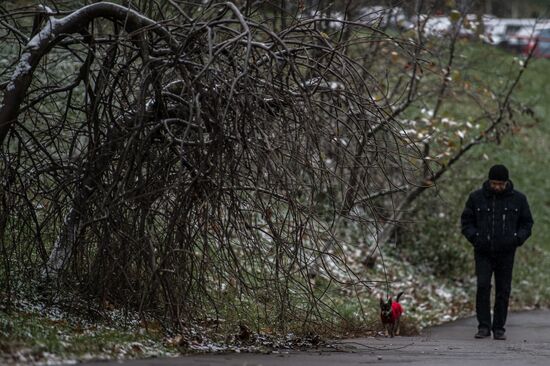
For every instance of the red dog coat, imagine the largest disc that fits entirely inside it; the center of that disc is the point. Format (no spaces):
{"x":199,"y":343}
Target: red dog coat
{"x":396,"y":311}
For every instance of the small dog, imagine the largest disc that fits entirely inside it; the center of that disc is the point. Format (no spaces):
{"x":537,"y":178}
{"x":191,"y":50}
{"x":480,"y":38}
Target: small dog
{"x":390,"y":313}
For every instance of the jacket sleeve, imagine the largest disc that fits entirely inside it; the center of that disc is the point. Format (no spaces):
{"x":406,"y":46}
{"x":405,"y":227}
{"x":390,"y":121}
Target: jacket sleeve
{"x":468,"y":221}
{"x":525,"y":222}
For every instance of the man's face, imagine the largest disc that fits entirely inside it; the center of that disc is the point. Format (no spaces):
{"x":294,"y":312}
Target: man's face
{"x":498,"y":186}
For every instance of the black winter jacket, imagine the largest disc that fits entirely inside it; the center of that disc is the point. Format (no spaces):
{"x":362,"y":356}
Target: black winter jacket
{"x":496,"y":222}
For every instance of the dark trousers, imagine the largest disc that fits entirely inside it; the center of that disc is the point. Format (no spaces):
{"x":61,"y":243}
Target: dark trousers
{"x":501,"y":264}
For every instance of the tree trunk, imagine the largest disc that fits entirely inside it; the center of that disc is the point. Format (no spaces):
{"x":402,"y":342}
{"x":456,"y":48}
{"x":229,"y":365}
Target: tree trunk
{"x":63,"y":245}
{"x":488,"y":6}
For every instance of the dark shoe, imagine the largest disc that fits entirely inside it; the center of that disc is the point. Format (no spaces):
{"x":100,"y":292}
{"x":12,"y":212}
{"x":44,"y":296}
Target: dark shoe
{"x":499,"y":335}
{"x":482,"y":333}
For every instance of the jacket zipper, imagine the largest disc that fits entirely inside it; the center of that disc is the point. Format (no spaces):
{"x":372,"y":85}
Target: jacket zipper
{"x":493,"y":226}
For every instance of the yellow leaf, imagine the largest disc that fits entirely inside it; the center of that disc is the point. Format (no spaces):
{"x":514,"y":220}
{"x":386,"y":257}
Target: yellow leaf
{"x":455,"y":75}
{"x":454,"y":16}
{"x":394,"y":57}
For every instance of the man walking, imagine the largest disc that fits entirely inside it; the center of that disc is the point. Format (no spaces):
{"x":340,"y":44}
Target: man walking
{"x":496,"y":220}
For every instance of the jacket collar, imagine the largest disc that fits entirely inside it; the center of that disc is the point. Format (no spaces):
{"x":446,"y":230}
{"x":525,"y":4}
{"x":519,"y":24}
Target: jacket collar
{"x":508,"y":191}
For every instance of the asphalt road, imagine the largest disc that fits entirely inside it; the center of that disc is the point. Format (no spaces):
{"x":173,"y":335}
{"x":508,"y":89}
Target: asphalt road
{"x":528,"y":343}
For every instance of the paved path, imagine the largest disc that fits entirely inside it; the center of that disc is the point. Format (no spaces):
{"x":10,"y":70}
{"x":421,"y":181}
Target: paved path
{"x":451,"y":344}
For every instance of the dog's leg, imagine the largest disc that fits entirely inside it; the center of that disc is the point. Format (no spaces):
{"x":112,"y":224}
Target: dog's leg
{"x":397,"y":328}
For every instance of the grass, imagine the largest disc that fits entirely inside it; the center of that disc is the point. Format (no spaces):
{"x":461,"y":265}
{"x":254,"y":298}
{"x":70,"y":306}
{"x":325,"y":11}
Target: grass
{"x":34,"y":337}
{"x":525,"y":152}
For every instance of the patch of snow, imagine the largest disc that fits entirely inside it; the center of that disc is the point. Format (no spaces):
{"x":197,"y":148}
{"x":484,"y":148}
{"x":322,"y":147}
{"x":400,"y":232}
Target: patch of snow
{"x":46,"y":33}
{"x":175,"y":83}
{"x":45,"y":8}
{"x":428,"y":112}
{"x":409,"y":122}
{"x":444,"y":293}
{"x":407,"y":132}
{"x":448,"y":122}
{"x":149,"y":105}
{"x":23,"y":67}
{"x":211,"y":348}
{"x":342,"y":141}
{"x":311,"y":82}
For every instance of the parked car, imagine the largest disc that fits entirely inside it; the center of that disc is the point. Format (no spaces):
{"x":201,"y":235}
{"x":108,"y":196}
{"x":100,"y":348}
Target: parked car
{"x":519,"y":40}
{"x":540,"y":43}
{"x":499,"y":32}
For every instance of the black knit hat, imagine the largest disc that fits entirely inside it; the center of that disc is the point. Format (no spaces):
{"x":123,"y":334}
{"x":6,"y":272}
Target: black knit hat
{"x":498,"y":172}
